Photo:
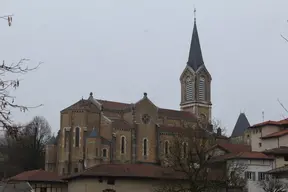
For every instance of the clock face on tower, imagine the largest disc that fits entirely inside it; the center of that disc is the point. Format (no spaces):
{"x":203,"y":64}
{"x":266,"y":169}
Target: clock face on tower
{"x":145,"y":118}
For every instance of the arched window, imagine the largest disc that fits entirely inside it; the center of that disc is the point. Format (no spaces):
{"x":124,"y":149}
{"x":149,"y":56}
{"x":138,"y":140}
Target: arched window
{"x":202,"y":89}
{"x":189,"y":89}
{"x":77,"y":136}
{"x":123,"y":144}
{"x":184,"y":149}
{"x":166,"y":147}
{"x":104,"y":152}
{"x":145,"y":147}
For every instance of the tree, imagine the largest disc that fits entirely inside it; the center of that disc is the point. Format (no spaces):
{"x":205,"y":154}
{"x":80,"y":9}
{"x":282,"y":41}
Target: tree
{"x":26,"y":151}
{"x":189,"y":152}
{"x":272,"y":184}
{"x":7,"y":101}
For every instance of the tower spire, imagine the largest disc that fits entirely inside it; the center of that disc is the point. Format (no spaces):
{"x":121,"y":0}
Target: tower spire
{"x":194,"y":14}
{"x":195,"y":59}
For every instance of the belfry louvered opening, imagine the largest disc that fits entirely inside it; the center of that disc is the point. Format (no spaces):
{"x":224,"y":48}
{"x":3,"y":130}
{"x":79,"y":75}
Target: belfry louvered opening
{"x":189,"y":89}
{"x":202,"y":89}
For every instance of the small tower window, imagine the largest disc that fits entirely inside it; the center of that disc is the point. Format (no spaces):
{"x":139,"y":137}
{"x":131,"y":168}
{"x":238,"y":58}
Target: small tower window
{"x":123,"y":143}
{"x":189,"y":89}
{"x":166,"y":147}
{"x":145,"y":147}
{"x":77,"y":137}
{"x":202,"y":89}
{"x":184,"y":150}
{"x":104,"y":152}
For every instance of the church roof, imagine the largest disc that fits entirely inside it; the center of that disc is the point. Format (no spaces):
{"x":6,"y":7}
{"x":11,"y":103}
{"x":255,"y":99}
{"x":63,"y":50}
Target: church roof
{"x":195,"y":59}
{"x":241,"y":125}
{"x":93,"y":133}
{"x":86,"y":104}
{"x":52,"y":141}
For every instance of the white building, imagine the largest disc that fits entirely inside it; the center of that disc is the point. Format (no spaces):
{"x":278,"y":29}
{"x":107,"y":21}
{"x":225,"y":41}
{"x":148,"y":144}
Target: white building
{"x":240,"y":160}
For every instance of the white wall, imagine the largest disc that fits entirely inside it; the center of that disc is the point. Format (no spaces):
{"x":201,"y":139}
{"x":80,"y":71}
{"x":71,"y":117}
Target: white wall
{"x":257,"y":133}
{"x":255,"y":166}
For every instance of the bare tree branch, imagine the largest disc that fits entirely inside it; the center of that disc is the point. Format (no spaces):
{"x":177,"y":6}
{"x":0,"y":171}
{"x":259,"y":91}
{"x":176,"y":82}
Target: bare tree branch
{"x":189,"y":152}
{"x":271,"y":184}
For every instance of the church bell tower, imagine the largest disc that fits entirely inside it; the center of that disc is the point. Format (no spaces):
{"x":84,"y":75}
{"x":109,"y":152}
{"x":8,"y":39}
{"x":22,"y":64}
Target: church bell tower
{"x":196,"y":81}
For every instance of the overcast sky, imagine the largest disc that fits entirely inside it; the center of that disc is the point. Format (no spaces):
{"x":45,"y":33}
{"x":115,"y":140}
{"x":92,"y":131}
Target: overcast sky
{"x":119,"y":49}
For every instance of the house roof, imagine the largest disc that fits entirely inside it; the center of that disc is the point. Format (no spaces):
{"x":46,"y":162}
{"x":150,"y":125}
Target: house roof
{"x":279,"y":123}
{"x":36,"y":175}
{"x":278,"y":170}
{"x":283,"y":150}
{"x":233,"y":148}
{"x":276,"y":134}
{"x":242,"y":155}
{"x":135,"y":171}
{"x":148,"y":171}
{"x":241,"y":125}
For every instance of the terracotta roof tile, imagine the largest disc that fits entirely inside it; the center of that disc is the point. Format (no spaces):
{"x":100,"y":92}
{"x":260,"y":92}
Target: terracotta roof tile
{"x":276,"y":134}
{"x":281,"y":122}
{"x":283,"y":150}
{"x":185,"y":115}
{"x":36,"y":175}
{"x":79,"y":105}
{"x":242,"y":155}
{"x":113,"y":104}
{"x":140,"y":171}
{"x":234,"y":148}
{"x":170,"y":129}
{"x":129,"y":170}
{"x":121,"y":124}
{"x":278,"y":170}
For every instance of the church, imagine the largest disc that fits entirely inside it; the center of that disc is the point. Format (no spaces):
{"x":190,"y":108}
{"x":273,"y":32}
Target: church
{"x":94,"y":131}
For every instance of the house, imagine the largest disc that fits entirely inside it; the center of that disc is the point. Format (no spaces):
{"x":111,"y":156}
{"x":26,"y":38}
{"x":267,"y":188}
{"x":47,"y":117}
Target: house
{"x":268,"y":135}
{"x":125,"y":178}
{"x":239,"y":160}
{"x":15,"y":187}
{"x":40,"y":181}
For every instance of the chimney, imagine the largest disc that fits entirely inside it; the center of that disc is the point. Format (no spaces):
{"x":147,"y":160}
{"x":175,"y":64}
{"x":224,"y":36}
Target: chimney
{"x":219,"y":131}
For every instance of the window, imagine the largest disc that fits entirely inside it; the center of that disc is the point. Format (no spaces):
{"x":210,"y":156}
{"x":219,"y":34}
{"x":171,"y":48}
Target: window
{"x":184,"y":150}
{"x":104,"y":152}
{"x":260,"y":144}
{"x":202,"y":89}
{"x":145,"y":147}
{"x":250,"y":175}
{"x":286,"y":158}
{"x":75,"y":170}
{"x":166,"y":148}
{"x":189,"y":89}
{"x":63,"y":171}
{"x":261,"y":176}
{"x":43,"y":189}
{"x":111,"y":181}
{"x":66,"y":136}
{"x":77,"y":136}
{"x":123,"y":142}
